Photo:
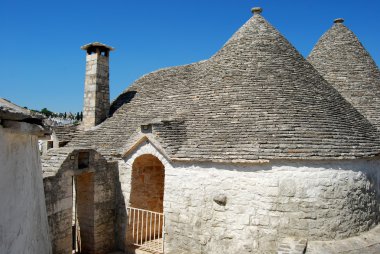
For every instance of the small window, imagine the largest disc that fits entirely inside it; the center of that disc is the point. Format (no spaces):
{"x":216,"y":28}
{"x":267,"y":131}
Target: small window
{"x":83,"y":160}
{"x":146,"y":128}
{"x":49,"y":144}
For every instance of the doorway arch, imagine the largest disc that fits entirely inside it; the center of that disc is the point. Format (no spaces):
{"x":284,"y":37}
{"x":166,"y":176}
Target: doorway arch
{"x":80,"y":199}
{"x":145,"y":210}
{"x":147,"y":185}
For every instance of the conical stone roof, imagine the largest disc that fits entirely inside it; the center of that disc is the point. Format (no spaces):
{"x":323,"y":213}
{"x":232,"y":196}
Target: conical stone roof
{"x":257,"y":98}
{"x":343,"y":61}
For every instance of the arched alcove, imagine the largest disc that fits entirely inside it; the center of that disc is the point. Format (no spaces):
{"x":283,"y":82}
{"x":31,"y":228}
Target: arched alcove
{"x":145,"y":211}
{"x":147,"y":187}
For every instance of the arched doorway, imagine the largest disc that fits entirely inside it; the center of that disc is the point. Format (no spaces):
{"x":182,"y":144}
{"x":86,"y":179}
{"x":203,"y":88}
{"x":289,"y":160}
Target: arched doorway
{"x":80,"y":197}
{"x":145,"y":211}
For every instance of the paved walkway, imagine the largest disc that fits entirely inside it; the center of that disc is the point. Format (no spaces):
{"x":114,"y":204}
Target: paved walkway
{"x":366,"y":243}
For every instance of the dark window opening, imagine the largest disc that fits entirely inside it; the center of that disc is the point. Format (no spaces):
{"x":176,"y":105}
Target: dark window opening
{"x":146,"y":128}
{"x":49,"y":144}
{"x":63,"y":143}
{"x":83,"y":160}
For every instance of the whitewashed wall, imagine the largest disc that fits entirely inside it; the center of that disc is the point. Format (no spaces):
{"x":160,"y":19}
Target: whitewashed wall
{"x":264,"y":202}
{"x":23,"y":220}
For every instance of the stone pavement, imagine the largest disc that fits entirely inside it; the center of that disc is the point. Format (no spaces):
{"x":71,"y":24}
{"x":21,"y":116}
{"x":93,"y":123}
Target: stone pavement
{"x":133,"y":251}
{"x":366,"y":243}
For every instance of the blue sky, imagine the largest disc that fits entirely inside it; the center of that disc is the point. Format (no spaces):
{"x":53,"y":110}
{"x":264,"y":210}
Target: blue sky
{"x":42,"y":64}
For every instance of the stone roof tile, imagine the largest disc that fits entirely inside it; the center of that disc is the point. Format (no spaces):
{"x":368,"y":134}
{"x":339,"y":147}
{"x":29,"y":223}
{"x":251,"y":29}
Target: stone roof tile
{"x":11,"y":111}
{"x":66,"y":132}
{"x":343,"y":61}
{"x":255,"y":99}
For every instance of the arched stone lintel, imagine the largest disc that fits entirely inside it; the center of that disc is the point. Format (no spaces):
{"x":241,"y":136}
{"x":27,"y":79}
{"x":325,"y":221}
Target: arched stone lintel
{"x":146,"y":145}
{"x":62,"y":160}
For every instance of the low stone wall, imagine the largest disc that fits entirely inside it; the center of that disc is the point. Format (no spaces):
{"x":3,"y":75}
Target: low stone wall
{"x":96,"y":195}
{"x":220,"y":208}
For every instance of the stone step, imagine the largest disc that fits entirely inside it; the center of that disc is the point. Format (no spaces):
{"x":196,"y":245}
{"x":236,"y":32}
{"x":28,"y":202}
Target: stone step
{"x":138,"y":251}
{"x":292,"y":246}
{"x":134,"y":250}
{"x":365,"y":243}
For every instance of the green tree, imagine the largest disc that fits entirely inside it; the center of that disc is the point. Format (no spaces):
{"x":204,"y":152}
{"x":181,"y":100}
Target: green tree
{"x":46,"y":112}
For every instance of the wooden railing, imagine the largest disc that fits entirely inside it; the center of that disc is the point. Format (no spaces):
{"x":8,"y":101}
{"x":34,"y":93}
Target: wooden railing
{"x":145,"y":229}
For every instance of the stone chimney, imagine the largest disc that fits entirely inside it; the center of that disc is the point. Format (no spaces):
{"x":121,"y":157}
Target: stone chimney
{"x":96,"y":87}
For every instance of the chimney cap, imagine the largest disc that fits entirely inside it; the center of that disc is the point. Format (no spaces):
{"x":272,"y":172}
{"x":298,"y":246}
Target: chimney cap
{"x":97,"y":45}
{"x":257,"y":10}
{"x":338,"y":20}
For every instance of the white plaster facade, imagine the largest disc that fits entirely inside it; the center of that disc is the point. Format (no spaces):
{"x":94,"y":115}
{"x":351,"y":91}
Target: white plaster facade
{"x":316,"y":200}
{"x":23,"y":220}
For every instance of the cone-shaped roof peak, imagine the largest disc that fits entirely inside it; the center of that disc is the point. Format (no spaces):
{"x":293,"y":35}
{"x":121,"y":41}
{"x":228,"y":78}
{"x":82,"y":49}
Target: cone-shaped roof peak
{"x":344,"y":62}
{"x":252,"y":36}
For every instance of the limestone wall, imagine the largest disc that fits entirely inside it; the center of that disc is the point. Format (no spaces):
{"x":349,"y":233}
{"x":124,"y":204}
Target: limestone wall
{"x":96,"y":200}
{"x":317,"y":200}
{"x":23,"y":221}
{"x":265,"y":203}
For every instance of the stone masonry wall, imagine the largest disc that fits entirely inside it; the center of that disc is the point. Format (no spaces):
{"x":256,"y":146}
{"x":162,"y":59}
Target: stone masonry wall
{"x":317,"y":200}
{"x":59,"y":200}
{"x":23,"y":222}
{"x":96,"y":94}
{"x":266,"y":203}
{"x":58,"y":194}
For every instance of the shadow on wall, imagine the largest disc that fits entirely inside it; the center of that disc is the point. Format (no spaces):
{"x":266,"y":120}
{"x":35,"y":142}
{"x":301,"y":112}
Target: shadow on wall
{"x":121,"y":100}
{"x":121,"y":215}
